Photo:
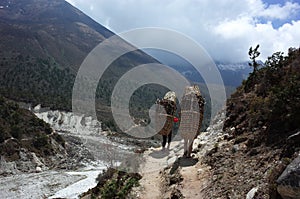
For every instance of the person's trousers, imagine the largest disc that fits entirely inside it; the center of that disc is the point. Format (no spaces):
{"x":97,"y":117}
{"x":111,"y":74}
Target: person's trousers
{"x":165,"y":137}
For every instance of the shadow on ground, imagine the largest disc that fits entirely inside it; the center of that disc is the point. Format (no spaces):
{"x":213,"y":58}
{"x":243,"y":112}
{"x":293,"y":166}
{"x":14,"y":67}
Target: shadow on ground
{"x":187,"y":162}
{"x":160,"y":154}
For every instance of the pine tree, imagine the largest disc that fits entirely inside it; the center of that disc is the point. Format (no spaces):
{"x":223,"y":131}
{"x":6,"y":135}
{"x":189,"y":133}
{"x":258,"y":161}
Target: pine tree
{"x":253,"y":54}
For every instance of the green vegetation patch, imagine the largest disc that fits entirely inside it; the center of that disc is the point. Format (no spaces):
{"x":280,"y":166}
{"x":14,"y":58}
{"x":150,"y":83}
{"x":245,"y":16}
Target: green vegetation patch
{"x":113,"y":183}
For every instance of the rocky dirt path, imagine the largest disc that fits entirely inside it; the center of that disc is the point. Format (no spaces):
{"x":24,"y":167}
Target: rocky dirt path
{"x":195,"y":175}
{"x":155,"y":160}
{"x":194,"y":181}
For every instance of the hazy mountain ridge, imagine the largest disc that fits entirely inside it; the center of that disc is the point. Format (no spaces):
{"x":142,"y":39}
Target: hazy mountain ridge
{"x":232,"y":73}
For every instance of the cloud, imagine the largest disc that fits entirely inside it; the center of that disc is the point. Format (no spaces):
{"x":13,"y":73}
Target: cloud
{"x":226,"y":29}
{"x":280,"y":12}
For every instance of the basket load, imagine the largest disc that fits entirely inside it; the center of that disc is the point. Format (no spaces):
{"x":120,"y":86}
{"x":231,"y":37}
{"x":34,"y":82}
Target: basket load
{"x":192,"y":109}
{"x":165,"y":110}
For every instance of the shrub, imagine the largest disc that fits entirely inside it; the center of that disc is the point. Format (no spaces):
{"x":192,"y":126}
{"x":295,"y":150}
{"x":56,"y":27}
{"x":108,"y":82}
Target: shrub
{"x":40,"y":141}
{"x":16,"y":132}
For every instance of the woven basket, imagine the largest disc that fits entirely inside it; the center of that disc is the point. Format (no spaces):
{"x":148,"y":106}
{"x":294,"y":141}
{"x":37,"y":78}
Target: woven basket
{"x":191,"y":113}
{"x":163,"y":120}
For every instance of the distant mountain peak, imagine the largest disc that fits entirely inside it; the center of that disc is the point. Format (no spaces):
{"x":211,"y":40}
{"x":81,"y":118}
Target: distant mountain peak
{"x":233,"y":66}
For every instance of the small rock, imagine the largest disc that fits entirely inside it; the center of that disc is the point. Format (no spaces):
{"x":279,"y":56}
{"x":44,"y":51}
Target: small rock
{"x":225,"y":135}
{"x":36,"y":160}
{"x":172,"y":160}
{"x":235,"y":148}
{"x":199,"y":171}
{"x":37,"y":108}
{"x":38,"y":169}
{"x":199,"y":146}
{"x":209,"y":152}
{"x":139,"y":150}
{"x":252,"y":193}
{"x":214,"y":177}
{"x":240,"y":140}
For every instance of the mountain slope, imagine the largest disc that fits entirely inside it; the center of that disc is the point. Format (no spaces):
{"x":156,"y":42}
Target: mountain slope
{"x":43,"y":43}
{"x":43,"y":28}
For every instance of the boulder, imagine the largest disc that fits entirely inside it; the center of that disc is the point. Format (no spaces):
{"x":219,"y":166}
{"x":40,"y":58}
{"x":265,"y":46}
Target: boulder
{"x":289,"y":181}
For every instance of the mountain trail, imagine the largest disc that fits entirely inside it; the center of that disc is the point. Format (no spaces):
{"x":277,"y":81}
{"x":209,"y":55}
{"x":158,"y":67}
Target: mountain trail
{"x":194,"y":181}
{"x":194,"y":174}
{"x":156,"y":159}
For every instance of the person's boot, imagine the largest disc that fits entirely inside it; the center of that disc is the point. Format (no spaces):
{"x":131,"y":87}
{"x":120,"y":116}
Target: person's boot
{"x":168,"y":147}
{"x":188,"y":154}
{"x":184,"y":154}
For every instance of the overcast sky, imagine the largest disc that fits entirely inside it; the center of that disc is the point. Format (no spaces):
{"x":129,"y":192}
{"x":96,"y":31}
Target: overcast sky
{"x":225,"y":28}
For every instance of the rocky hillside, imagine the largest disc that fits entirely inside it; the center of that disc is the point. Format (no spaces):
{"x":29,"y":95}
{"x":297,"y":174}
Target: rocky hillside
{"x":26,"y":142}
{"x":261,"y":134}
{"x":268,"y":101}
